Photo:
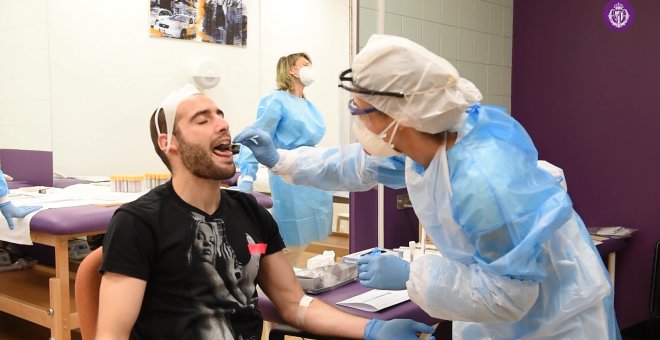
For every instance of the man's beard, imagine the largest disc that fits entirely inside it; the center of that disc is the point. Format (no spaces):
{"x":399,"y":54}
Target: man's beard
{"x":197,"y":160}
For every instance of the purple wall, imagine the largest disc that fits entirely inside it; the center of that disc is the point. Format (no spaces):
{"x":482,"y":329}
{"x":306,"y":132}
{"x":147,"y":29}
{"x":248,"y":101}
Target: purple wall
{"x":401,"y":226}
{"x":586,"y":95}
{"x":33,"y":166}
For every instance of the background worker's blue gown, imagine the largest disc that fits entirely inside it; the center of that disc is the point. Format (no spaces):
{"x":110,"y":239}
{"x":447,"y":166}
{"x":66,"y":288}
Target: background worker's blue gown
{"x":4,"y":189}
{"x":303,"y":214}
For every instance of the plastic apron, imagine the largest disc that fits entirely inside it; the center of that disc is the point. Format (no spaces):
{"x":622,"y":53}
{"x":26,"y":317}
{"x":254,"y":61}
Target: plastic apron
{"x":445,"y":287}
{"x":433,"y":206}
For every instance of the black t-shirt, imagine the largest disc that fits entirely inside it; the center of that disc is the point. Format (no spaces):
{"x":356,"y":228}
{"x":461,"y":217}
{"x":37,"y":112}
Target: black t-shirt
{"x":200,"y":269}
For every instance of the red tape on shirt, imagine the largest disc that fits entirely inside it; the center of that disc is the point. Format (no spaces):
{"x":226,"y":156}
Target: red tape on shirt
{"x":259,"y":248}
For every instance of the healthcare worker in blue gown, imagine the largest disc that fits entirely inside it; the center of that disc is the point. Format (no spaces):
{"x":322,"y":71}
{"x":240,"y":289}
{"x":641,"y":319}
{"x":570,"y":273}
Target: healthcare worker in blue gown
{"x":8,"y":209}
{"x":303,"y":214}
{"x":517,"y":261}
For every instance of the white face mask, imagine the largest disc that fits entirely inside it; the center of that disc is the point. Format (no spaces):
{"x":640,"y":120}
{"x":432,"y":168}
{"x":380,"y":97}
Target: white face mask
{"x":373,"y":143}
{"x":307,"y":75}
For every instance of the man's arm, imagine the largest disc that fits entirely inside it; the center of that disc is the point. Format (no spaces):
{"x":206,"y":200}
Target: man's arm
{"x":278,"y":281}
{"x":120,"y":300}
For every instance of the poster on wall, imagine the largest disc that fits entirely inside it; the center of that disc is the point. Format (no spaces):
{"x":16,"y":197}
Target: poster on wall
{"x":212,"y":21}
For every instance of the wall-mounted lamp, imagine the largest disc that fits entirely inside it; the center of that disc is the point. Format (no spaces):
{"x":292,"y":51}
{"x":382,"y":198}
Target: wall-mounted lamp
{"x":205,"y":74}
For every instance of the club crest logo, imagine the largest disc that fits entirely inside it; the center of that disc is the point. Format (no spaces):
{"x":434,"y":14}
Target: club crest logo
{"x":618,"y":15}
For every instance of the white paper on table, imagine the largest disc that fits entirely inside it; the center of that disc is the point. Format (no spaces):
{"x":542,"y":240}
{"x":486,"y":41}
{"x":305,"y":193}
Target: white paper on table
{"x":616,"y":232}
{"x":72,"y":196}
{"x":376,"y":299}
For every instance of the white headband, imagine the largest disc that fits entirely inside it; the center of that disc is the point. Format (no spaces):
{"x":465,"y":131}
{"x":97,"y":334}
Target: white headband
{"x":169,"y":106}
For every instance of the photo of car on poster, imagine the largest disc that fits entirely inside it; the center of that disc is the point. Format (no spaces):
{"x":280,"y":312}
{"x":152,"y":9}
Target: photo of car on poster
{"x":213,"y":21}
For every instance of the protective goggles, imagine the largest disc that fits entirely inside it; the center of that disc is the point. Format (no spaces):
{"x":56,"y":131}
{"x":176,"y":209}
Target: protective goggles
{"x":346,"y":82}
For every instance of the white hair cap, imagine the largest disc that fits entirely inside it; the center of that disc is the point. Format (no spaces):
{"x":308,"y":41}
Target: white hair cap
{"x":169,"y":106}
{"x":435,"y":96}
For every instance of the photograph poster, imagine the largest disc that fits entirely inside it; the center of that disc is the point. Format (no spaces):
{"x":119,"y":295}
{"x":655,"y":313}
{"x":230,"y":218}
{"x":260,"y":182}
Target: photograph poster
{"x":213,"y":21}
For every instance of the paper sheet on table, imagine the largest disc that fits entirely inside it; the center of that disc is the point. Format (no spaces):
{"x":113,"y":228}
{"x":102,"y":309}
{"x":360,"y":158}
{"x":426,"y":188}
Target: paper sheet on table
{"x":73,"y":196}
{"x":376,"y":299}
{"x":615,"y":232}
{"x":21,"y":232}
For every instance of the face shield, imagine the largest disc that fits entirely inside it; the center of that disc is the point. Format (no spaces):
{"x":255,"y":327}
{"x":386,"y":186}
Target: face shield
{"x":412,"y":85}
{"x":376,"y":143}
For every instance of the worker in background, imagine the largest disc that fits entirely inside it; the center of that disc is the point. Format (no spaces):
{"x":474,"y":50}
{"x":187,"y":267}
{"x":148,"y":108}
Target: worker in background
{"x":517,"y":261}
{"x":303,"y":214}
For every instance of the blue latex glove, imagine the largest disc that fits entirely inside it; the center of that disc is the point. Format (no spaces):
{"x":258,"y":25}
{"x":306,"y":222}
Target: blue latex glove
{"x":245,"y":186}
{"x":9,"y":211}
{"x":383,"y":272}
{"x":396,"y":329}
{"x":261,"y":144}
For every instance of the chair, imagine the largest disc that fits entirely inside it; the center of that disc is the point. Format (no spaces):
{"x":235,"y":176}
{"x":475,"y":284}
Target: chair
{"x":87,"y":285}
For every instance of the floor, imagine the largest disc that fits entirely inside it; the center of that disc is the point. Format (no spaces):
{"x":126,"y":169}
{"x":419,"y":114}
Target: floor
{"x":12,"y":328}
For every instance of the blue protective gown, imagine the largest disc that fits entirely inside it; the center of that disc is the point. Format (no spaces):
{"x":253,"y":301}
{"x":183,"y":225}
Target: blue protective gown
{"x":517,"y":260}
{"x":303,"y":214}
{"x":4,"y":189}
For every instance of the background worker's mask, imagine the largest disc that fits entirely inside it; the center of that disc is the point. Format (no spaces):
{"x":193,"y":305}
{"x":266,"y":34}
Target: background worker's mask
{"x":374,"y":144}
{"x":307,"y":75}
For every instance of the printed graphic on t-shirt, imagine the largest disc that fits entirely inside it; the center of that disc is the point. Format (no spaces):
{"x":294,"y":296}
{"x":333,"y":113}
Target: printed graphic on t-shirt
{"x":225,"y":286}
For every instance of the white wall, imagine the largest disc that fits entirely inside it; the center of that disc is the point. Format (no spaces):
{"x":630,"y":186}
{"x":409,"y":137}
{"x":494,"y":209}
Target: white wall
{"x":24,"y":76}
{"x":100,"y":75}
{"x":474,"y":35}
{"x":320,"y":28}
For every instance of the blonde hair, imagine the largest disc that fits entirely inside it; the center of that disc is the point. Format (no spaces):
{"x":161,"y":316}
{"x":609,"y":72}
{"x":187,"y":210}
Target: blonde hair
{"x":283,"y":78}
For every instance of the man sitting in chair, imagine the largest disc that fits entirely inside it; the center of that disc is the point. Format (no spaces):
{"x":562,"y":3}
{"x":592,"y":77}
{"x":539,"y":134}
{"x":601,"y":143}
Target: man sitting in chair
{"x":183,"y":261}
